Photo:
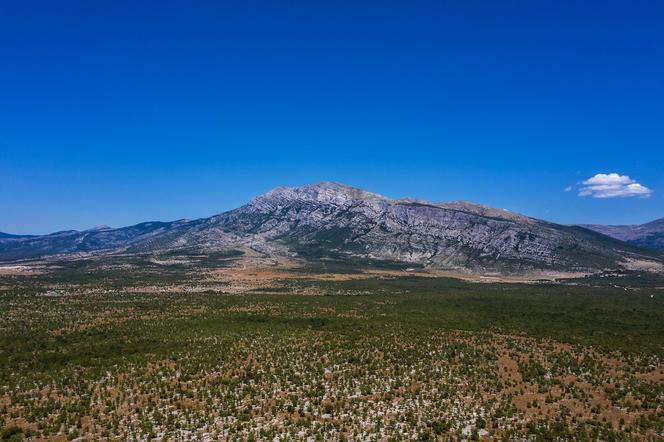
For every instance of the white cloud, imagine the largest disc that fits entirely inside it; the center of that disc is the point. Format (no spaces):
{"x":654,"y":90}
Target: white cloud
{"x":568,"y":189}
{"x":613,"y":185}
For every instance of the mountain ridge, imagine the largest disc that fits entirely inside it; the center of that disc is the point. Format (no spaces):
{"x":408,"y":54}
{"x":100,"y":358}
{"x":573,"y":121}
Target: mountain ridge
{"x":648,"y":235}
{"x":332,"y":220}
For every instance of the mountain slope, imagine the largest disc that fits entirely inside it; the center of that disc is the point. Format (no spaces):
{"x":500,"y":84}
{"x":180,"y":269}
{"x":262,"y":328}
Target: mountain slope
{"x":333,"y":220}
{"x":649,"y":235}
{"x":73,"y":241}
{"x":329,"y":220}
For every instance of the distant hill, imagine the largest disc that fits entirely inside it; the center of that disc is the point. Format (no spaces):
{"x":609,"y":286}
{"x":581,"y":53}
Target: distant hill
{"x":9,"y":235}
{"x":330,"y":220}
{"x":74,"y":241}
{"x":649,"y":235}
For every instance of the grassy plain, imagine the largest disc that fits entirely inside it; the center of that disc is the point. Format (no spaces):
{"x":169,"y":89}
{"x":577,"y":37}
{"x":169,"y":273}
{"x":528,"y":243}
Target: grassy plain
{"x":165,"y":349}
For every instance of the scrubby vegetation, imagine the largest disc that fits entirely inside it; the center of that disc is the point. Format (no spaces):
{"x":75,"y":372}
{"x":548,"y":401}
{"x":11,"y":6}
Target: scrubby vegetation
{"x":85,"y":353}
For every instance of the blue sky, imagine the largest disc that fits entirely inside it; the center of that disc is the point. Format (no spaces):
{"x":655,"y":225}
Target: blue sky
{"x":120,"y":112}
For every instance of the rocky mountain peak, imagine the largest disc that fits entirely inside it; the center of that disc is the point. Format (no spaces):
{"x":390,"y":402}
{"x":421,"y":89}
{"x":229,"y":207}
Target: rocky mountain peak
{"x":319,"y":193}
{"x":100,"y":227}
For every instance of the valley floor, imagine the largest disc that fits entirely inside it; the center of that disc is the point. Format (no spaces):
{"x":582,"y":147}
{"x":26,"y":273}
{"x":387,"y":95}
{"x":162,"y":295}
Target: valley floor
{"x":140,"y":351}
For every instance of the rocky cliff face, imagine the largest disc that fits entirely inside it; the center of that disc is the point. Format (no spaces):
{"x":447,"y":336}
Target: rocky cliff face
{"x":329,"y":219}
{"x":337,"y":221}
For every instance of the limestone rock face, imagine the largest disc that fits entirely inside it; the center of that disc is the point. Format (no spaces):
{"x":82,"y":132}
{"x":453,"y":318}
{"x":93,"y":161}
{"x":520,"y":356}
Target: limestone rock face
{"x":332,"y":219}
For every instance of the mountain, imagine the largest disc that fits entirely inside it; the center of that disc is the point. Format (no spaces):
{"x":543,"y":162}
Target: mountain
{"x":9,"y":235}
{"x":649,"y":235}
{"x":73,"y":241}
{"x":330,"y":220}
